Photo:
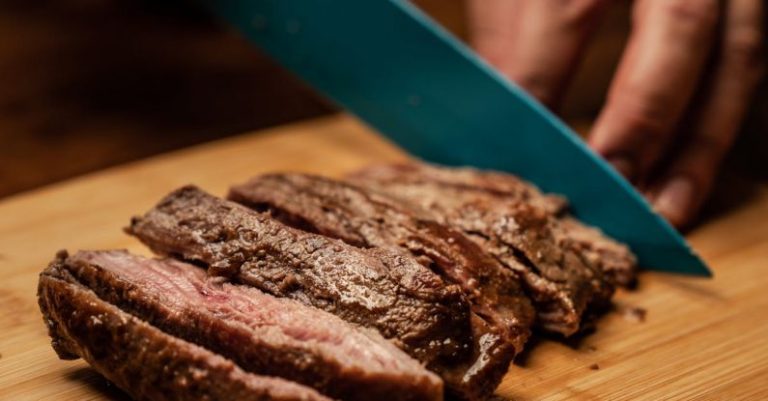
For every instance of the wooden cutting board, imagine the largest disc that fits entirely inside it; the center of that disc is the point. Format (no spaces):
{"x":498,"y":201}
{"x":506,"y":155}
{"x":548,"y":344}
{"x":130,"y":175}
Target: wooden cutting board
{"x":700,"y":339}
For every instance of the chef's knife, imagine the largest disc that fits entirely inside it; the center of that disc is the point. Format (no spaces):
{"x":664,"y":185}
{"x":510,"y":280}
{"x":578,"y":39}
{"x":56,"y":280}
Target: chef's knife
{"x":393,"y":67}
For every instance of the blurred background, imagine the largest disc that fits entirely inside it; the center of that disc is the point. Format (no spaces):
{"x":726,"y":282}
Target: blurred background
{"x":87,"y":84}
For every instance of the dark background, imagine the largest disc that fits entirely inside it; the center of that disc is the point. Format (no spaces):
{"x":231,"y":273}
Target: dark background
{"x":86,"y":84}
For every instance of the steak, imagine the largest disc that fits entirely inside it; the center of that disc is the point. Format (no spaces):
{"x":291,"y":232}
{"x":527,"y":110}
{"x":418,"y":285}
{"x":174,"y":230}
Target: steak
{"x":613,"y":258}
{"x":142,"y":360}
{"x":370,"y":220}
{"x":259,"y":333}
{"x":376,"y":288}
{"x":515,"y":223}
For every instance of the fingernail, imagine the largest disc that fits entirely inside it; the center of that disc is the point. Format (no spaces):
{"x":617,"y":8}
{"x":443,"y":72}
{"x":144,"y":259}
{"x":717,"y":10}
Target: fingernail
{"x":624,"y":165}
{"x":675,"y":199}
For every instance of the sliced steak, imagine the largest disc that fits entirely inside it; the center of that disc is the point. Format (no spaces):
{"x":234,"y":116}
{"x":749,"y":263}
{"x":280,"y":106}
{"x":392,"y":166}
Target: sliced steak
{"x":492,"y":182}
{"x":615,"y":259}
{"x":518,"y":232}
{"x":376,"y":288}
{"x":260,"y":333}
{"x":142,"y":360}
{"x":370,"y":220}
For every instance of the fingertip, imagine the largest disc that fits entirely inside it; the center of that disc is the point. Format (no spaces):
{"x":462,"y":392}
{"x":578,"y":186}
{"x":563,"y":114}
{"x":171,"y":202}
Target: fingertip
{"x":677,"y":200}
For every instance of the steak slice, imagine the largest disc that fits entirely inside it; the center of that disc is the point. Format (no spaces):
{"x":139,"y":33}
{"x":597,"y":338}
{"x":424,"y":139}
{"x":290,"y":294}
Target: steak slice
{"x":375,"y":288}
{"x":260,"y":333}
{"x":369,"y":220}
{"x":142,"y":360}
{"x":519,"y":233}
{"x":614,"y":259}
{"x":496,"y":183}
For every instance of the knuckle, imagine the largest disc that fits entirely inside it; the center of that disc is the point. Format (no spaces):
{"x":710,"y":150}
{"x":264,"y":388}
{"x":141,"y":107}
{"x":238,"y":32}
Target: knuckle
{"x":694,"y":12}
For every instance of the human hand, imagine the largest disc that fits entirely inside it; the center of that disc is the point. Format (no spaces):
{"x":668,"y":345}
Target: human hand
{"x":679,"y":95}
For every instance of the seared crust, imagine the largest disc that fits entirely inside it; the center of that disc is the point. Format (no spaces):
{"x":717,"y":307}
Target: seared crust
{"x":376,"y":288}
{"x":371,"y":220}
{"x":145,"y":362}
{"x":262,"y":334}
{"x":521,"y":227}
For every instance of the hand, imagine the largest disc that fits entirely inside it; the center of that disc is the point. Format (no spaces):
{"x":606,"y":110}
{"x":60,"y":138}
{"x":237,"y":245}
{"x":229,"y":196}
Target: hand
{"x":679,"y":95}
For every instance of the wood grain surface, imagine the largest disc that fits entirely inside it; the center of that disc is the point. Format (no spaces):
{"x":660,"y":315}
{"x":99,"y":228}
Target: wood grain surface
{"x":700,"y":339}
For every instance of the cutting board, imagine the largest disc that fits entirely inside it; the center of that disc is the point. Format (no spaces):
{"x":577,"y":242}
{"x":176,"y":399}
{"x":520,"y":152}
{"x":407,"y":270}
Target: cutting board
{"x":700,"y":339}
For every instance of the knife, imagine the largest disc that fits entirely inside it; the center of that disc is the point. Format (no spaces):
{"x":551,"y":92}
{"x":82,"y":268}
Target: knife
{"x":393,"y":67}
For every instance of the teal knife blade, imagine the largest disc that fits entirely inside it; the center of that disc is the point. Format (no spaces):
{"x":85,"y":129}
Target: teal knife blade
{"x":390,"y":65}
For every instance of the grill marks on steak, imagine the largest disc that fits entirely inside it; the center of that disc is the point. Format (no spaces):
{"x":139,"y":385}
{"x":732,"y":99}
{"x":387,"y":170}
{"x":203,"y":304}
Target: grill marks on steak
{"x":515,"y":223}
{"x":503,"y":314}
{"x":262,"y":334}
{"x":141,"y":359}
{"x":376,"y":288}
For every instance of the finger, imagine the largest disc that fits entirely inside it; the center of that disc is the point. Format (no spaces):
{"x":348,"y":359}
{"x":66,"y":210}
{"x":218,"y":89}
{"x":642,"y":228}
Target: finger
{"x":656,"y":78}
{"x":535,"y":43}
{"x":733,"y":81}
